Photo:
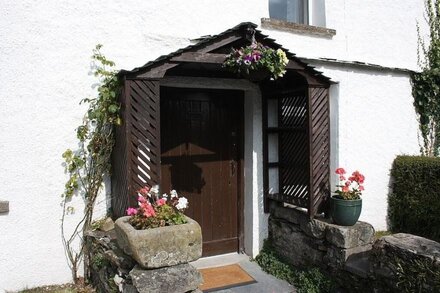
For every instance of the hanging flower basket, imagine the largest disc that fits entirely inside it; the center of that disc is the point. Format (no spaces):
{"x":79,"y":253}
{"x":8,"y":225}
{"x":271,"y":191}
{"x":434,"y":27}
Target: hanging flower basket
{"x":256,"y":75}
{"x":256,"y":62}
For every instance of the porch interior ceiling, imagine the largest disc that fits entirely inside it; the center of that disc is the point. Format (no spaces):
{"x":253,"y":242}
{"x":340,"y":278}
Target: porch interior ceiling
{"x":222,"y":43}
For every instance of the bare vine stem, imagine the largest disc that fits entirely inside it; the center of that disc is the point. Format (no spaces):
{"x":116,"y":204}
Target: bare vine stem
{"x":90,"y":163}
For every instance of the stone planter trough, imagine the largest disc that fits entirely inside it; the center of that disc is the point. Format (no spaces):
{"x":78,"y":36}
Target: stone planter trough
{"x":160,"y":247}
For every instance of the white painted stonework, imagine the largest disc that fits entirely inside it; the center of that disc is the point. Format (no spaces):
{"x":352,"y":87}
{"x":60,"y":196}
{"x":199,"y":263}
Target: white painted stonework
{"x":45,"y":53}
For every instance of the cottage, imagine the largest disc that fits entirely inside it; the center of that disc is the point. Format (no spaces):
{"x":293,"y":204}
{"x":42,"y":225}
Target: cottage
{"x":230,"y":144}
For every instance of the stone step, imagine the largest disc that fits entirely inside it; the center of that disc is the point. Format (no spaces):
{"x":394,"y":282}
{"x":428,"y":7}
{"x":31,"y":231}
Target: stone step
{"x":359,"y":264}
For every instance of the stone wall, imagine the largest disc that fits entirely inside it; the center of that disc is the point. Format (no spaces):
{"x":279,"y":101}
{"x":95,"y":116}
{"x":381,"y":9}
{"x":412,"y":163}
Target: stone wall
{"x":111,"y":270}
{"x":316,"y":242}
{"x":357,"y":261}
{"x":406,"y":263}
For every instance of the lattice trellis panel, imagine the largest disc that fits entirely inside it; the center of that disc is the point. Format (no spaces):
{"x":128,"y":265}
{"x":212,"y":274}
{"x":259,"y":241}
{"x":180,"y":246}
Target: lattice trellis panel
{"x":320,"y":148}
{"x":293,"y":151}
{"x":303,"y":149}
{"x":293,"y":144}
{"x":141,"y":164}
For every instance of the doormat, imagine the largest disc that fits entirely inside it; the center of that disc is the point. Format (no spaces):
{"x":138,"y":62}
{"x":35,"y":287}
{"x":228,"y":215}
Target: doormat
{"x":224,"y":277}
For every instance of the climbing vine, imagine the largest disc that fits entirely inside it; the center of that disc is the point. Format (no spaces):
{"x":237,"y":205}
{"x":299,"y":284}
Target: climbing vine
{"x":426,"y":84}
{"x":88,"y":165}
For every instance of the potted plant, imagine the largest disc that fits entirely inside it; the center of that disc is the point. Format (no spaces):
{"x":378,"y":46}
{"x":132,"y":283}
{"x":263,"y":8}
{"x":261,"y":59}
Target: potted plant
{"x":346,"y":204}
{"x":157,"y":233}
{"x":257,"y":61}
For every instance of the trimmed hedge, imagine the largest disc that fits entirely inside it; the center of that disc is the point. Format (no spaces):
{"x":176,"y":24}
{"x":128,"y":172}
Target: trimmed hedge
{"x":414,"y":204}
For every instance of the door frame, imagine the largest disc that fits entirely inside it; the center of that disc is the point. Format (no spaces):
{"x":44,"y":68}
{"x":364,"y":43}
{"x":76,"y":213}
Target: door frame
{"x":223,"y":84}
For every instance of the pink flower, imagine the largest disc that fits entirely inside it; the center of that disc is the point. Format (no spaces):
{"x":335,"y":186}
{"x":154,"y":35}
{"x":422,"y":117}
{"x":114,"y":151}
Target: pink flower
{"x":342,"y":178}
{"x":361,"y":188}
{"x":141,"y":199}
{"x":340,"y":171}
{"x":345,"y":189}
{"x":144,"y":191}
{"x":161,"y":202}
{"x":131,"y":211}
{"x":148,"y":210}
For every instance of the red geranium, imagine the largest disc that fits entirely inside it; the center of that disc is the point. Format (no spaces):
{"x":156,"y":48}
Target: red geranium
{"x":351,"y":188}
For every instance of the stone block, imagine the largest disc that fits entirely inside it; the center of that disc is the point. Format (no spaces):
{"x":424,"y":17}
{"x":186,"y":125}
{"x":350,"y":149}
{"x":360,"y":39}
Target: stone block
{"x":176,"y":279}
{"x":4,"y":206}
{"x":293,"y":245}
{"x":313,"y":228}
{"x":107,"y":225}
{"x":396,"y":257}
{"x":119,"y":259}
{"x":337,"y":257}
{"x":360,"y":234}
{"x":160,"y":247}
{"x":128,"y":288}
{"x":409,"y":246}
{"x":291,"y":215}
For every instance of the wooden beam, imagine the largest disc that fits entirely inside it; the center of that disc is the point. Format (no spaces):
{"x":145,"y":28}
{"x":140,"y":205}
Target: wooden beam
{"x":198,"y":57}
{"x":206,"y":82}
{"x":155,"y":72}
{"x":160,"y":70}
{"x":294,"y":65}
{"x":220,"y":43}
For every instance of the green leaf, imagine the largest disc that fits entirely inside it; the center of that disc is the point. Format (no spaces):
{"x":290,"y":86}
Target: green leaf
{"x":113,"y":109}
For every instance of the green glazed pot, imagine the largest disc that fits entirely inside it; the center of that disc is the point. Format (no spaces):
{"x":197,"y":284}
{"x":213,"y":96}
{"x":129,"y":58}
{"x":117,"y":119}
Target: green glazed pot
{"x":345,"y":212}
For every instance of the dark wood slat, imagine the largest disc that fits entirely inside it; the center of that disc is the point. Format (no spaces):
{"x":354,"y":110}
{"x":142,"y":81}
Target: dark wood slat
{"x":285,"y":129}
{"x":198,"y":57}
{"x":320,"y":149}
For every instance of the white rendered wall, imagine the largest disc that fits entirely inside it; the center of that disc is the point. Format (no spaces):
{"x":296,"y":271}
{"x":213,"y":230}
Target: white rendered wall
{"x":374,"y":121}
{"x":255,"y":220}
{"x":45,"y":53}
{"x":373,"y":31}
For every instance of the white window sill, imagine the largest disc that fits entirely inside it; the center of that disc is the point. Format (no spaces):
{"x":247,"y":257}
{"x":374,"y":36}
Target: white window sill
{"x":297,"y":28}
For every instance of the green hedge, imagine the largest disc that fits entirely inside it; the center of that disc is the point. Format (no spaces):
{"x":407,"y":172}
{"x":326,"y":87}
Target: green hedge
{"x":414,"y":204}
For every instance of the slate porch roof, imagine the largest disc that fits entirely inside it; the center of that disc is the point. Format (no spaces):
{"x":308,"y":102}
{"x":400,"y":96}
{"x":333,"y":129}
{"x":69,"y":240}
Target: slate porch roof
{"x":242,"y":29}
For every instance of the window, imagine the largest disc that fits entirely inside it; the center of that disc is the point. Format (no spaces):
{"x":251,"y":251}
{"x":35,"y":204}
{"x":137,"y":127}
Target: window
{"x":310,"y":12}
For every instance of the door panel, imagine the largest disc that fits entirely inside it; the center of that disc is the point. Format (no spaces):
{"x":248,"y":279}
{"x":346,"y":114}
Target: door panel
{"x":201,"y":150}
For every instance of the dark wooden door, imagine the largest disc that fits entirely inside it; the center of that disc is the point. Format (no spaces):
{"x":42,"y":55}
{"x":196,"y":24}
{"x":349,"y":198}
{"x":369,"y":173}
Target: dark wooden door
{"x":201,"y":141}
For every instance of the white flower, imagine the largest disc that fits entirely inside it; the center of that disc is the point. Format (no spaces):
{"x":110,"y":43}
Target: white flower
{"x":247,"y":62}
{"x":281,"y":73}
{"x":173,"y":193}
{"x":283,"y":58}
{"x":119,"y":282}
{"x":155,"y":189}
{"x":182,"y":204}
{"x":165,"y":195}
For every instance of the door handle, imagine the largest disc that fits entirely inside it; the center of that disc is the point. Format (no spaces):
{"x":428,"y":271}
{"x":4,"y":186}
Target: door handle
{"x":232,"y":168}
